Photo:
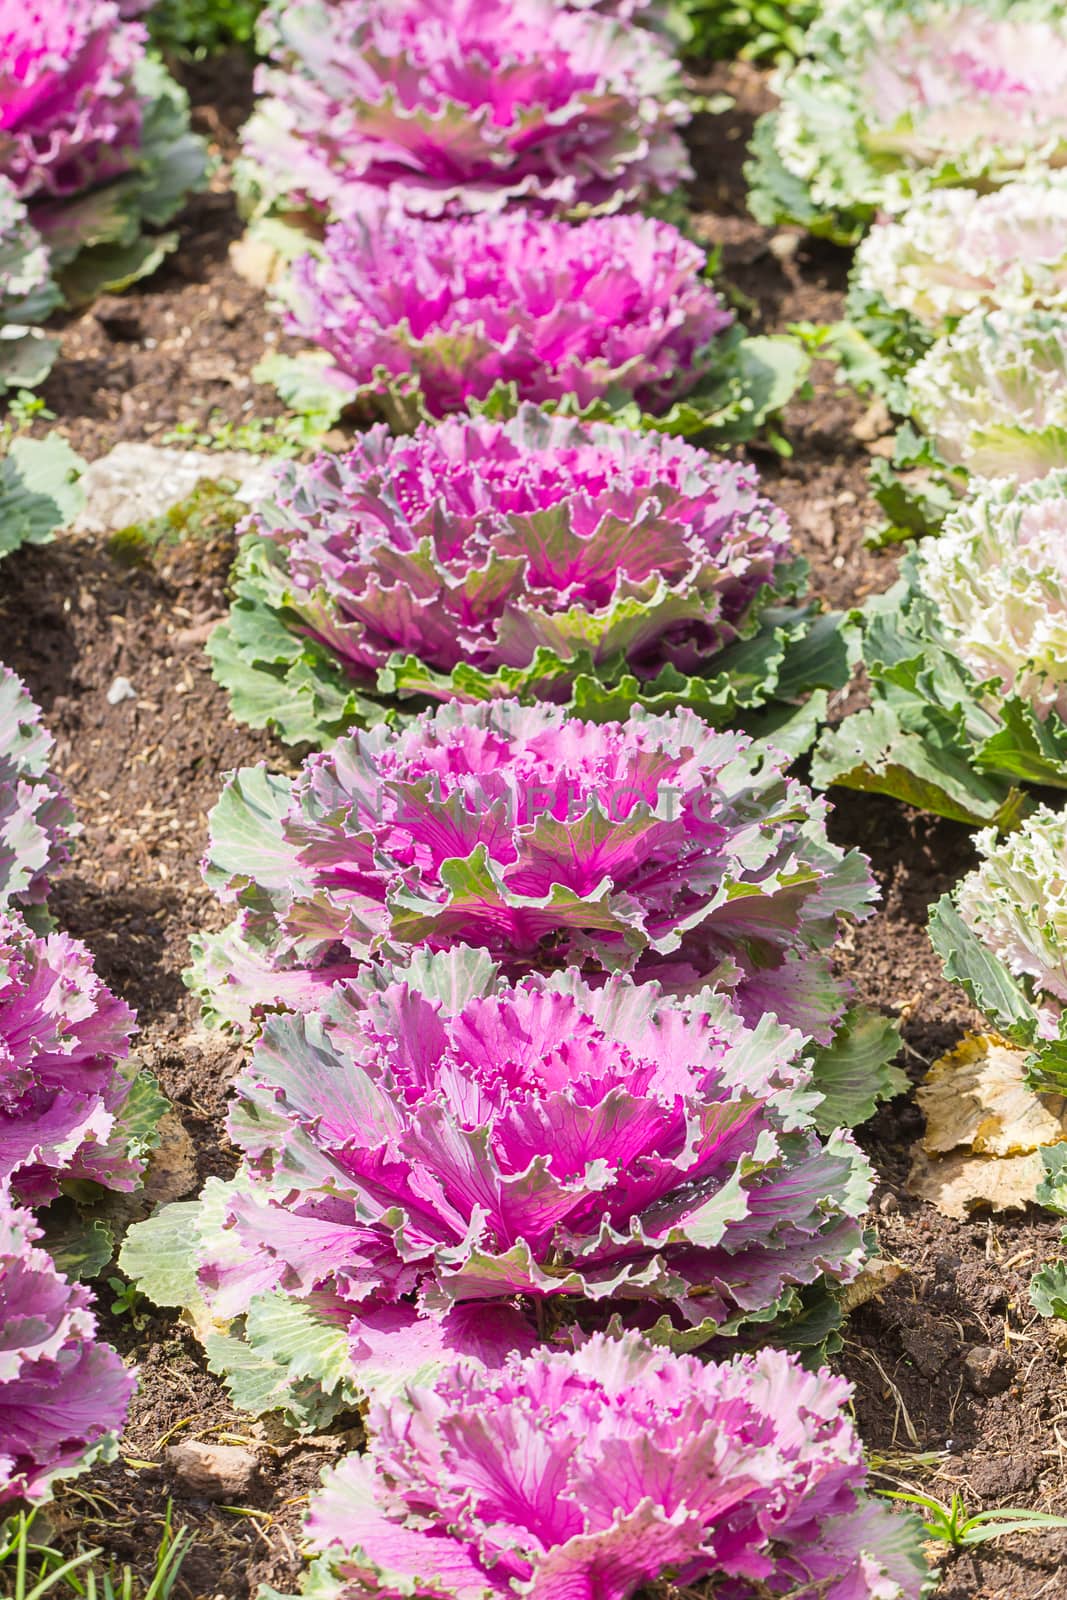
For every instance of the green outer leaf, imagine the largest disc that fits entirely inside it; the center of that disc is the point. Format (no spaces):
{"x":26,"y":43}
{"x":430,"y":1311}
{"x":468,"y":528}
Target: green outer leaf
{"x":776,"y":195}
{"x":875,"y":752}
{"x":80,"y":1246}
{"x":27,"y":356}
{"x":856,"y":1071}
{"x":144,"y":1106}
{"x":290,"y":1358}
{"x":753,"y":379}
{"x":160,"y":1255}
{"x":913,"y":506}
{"x":1048,"y":1290}
{"x":39,"y":490}
{"x":1052,"y":1190}
{"x":933,"y":736}
{"x":983,"y":976}
{"x":1046,"y":1071}
{"x":1026,"y":748}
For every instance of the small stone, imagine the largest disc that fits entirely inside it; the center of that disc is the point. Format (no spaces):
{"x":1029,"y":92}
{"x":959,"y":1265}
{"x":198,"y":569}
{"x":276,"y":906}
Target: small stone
{"x":988,"y":1371}
{"x":888,"y":1205}
{"x":121,"y":689}
{"x":784,"y":246}
{"x":213,"y":1471}
{"x":874,"y":423}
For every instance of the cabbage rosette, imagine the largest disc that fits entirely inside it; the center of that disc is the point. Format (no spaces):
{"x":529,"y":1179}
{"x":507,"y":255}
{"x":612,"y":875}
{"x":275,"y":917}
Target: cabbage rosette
{"x":896,"y":99}
{"x":610,"y":1470}
{"x":415,"y":318}
{"x":461,"y":106}
{"x":953,"y":252}
{"x":991,"y":397}
{"x":62,"y":1093}
{"x":655,"y":846}
{"x":966,"y":657}
{"x":439,"y":1152}
{"x":539,"y":557}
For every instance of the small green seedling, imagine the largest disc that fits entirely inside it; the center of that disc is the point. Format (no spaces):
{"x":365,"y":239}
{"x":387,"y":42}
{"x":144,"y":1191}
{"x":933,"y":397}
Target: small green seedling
{"x":952,"y":1525}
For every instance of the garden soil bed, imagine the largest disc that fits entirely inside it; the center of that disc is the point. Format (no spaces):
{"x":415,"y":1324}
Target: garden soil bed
{"x":144,"y":773}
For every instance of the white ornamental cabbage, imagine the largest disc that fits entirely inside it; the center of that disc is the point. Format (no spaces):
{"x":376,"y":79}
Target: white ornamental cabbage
{"x":998,"y":578}
{"x":1016,"y":904}
{"x":955,"y":251}
{"x":992,"y":395}
{"x":895,"y":99}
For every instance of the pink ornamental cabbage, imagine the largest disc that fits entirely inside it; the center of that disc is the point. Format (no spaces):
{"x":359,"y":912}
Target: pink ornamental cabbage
{"x":442,"y":311}
{"x":656,"y":846}
{"x":36,"y":821}
{"x":598,"y":1472}
{"x":469,"y":1141}
{"x":61,"y":1034}
{"x":485,"y":545}
{"x":70,"y":115}
{"x":462,"y":105}
{"x":63,"y":1395}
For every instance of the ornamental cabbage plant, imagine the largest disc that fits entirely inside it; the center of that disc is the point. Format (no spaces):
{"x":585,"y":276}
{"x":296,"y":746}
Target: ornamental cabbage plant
{"x":1014,"y":900}
{"x":62,"y":1034}
{"x":421,"y":317}
{"x":952,"y":252}
{"x":63,"y":1393}
{"x":992,"y":395}
{"x":955,"y":251}
{"x":36,"y":820}
{"x":423,"y":1159}
{"x":997,"y":579}
{"x":461,"y":106}
{"x":27,"y":296}
{"x":637,"y":1466}
{"x":654,"y":846}
{"x":96,"y":138}
{"x":538,"y":557}
{"x":983,"y":611}
{"x":893,"y":100}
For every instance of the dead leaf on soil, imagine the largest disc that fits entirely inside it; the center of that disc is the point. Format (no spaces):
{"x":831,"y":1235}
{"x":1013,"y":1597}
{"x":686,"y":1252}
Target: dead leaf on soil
{"x":172,"y":1164}
{"x":984,"y":1130}
{"x":870,"y":1283}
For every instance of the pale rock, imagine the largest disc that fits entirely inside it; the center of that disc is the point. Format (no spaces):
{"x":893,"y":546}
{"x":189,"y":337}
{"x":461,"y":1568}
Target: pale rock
{"x":136,"y":482}
{"x":213,"y":1471}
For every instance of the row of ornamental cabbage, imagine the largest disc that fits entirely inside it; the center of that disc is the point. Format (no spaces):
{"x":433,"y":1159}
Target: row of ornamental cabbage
{"x":96,"y":159}
{"x":936,"y":129}
{"x":549,"y":1071}
{"x":73,"y":1121}
{"x":478,"y":165}
{"x":940,"y":127}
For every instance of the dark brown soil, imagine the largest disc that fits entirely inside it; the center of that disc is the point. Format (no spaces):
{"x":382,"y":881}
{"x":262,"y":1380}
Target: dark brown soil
{"x":144,"y":773}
